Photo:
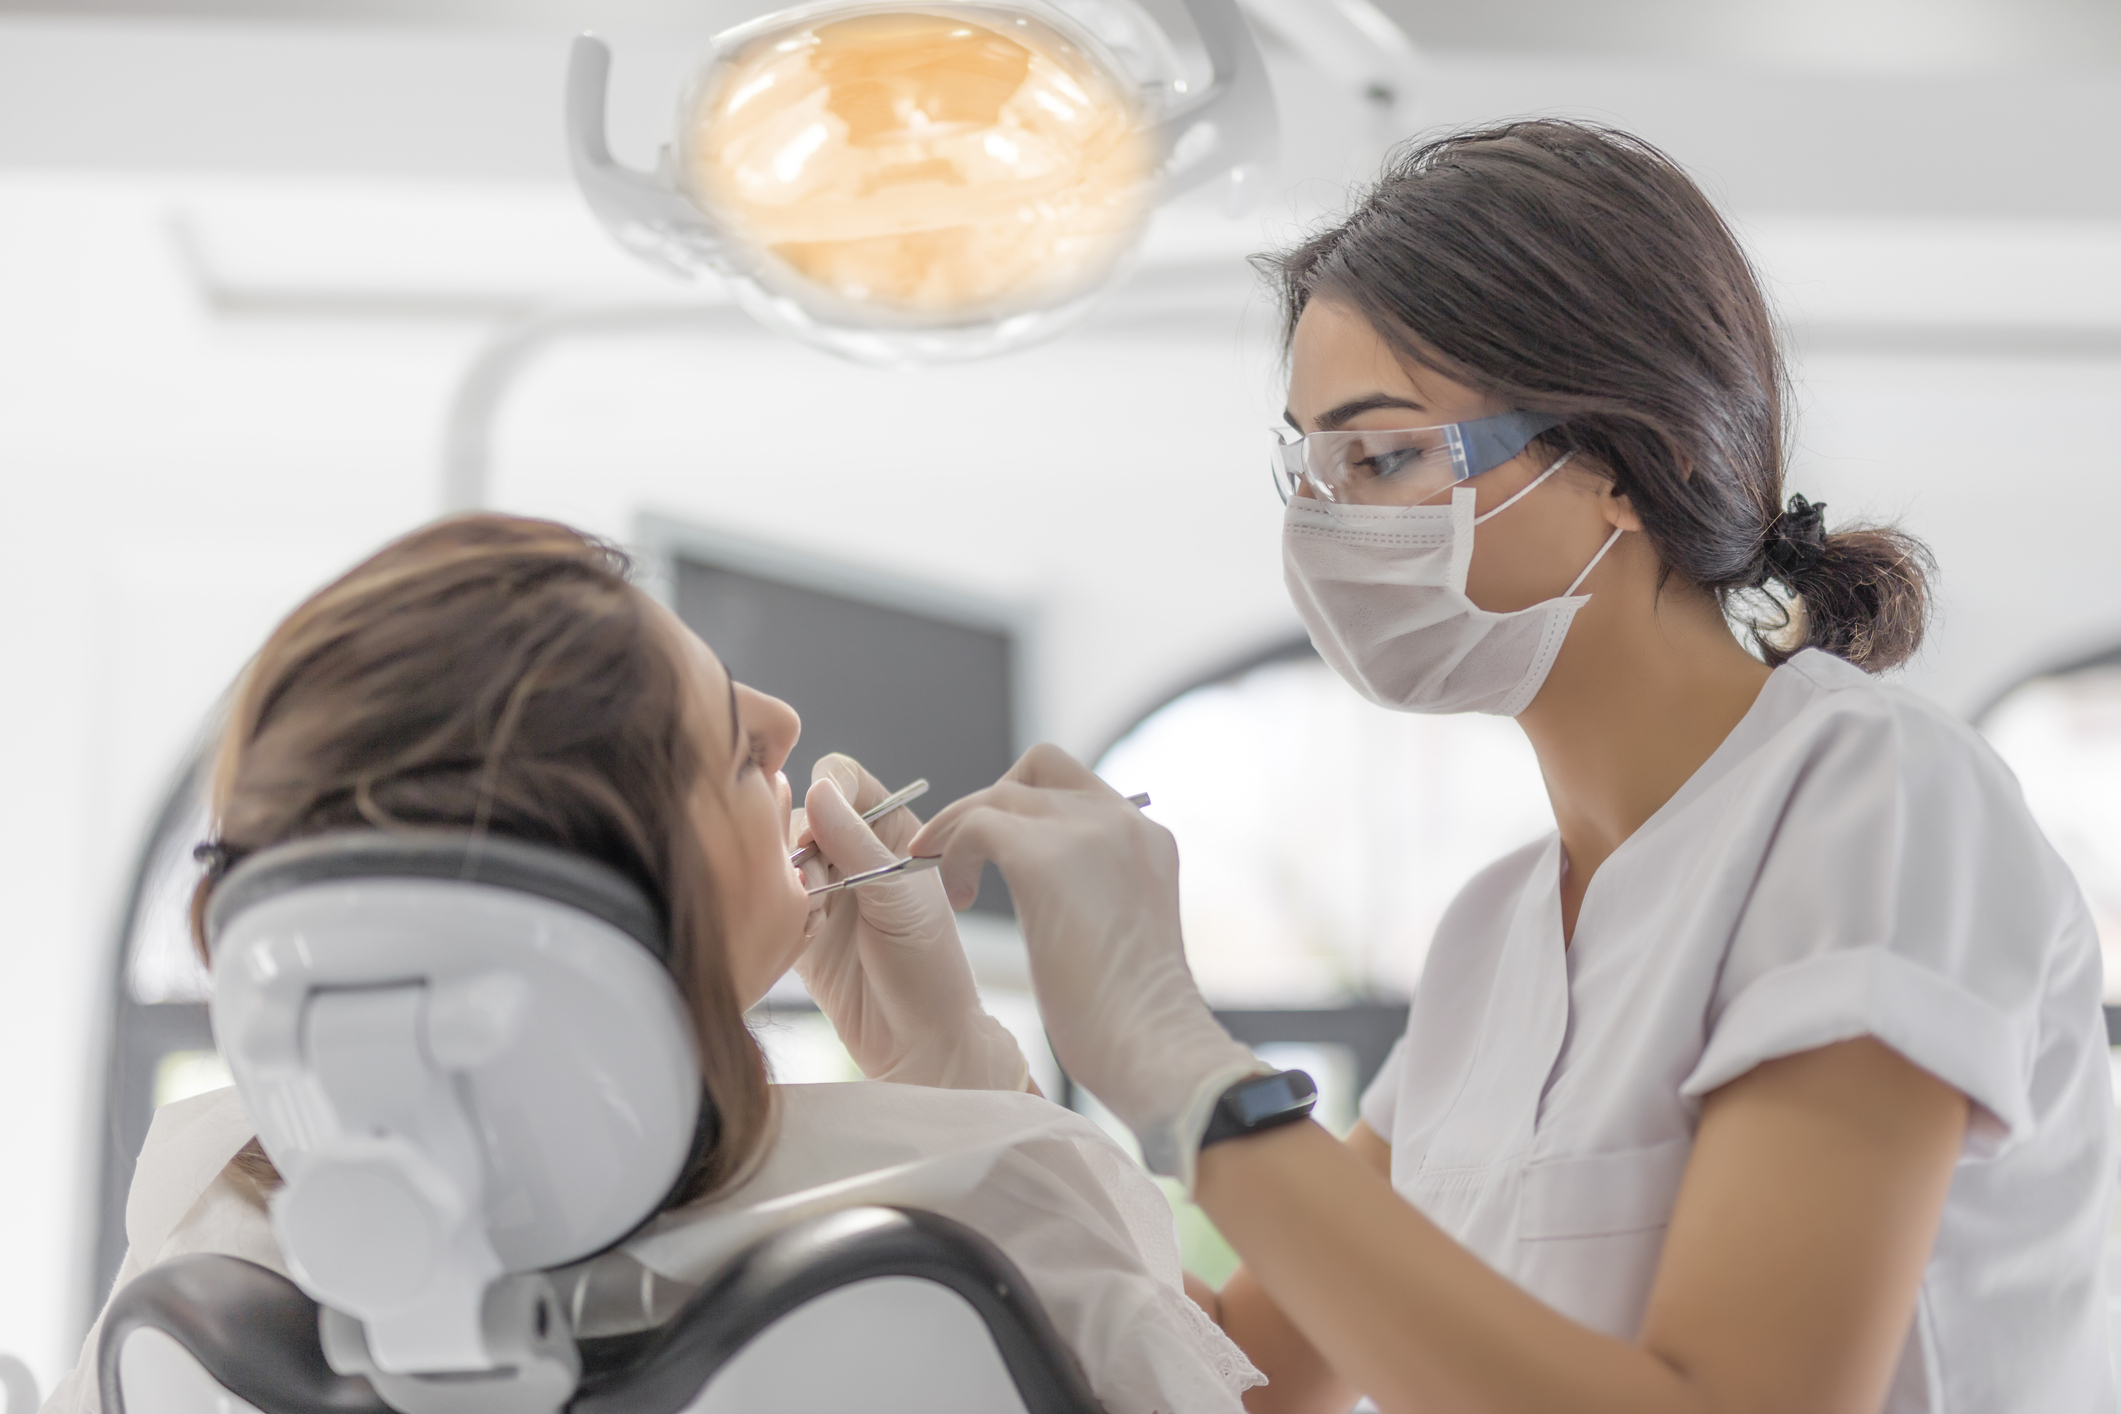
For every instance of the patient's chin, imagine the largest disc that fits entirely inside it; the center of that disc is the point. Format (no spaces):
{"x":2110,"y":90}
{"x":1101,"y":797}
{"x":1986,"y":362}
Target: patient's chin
{"x":763,"y":954}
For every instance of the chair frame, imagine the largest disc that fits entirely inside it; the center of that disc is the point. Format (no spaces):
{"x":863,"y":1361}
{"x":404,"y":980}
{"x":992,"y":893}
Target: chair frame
{"x":255,"y":1331}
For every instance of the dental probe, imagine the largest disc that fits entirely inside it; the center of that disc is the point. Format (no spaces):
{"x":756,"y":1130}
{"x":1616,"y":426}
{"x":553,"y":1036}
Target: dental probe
{"x":918,"y":863}
{"x":870,"y":816}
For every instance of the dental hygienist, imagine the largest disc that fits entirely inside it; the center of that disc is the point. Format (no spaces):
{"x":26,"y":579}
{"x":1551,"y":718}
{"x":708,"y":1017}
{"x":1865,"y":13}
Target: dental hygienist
{"x":1774,"y":1079}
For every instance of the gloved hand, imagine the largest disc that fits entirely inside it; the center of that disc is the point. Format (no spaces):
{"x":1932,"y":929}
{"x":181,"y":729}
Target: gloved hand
{"x":1096,"y":889}
{"x":884,"y":961}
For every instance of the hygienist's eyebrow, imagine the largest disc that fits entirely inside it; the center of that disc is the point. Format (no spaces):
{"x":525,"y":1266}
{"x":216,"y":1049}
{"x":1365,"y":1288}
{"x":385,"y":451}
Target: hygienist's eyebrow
{"x":1356,"y":407}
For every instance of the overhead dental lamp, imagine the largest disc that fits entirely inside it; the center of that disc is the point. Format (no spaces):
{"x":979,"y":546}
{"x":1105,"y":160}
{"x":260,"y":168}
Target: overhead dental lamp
{"x":909,"y":184}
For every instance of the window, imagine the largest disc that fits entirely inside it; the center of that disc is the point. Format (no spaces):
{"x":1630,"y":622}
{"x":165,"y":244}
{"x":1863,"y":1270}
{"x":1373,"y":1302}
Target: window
{"x":2061,"y":733}
{"x":1321,"y":839}
{"x":162,"y":1046}
{"x":161,"y":965}
{"x":1321,"y":836}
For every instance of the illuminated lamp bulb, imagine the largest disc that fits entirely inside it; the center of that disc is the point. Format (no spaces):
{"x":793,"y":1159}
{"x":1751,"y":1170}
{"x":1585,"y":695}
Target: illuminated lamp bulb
{"x":907,"y":169}
{"x":916,"y":184}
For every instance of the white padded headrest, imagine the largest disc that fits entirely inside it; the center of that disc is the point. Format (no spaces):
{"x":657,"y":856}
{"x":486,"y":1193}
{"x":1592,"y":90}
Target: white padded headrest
{"x":467,"y":1058}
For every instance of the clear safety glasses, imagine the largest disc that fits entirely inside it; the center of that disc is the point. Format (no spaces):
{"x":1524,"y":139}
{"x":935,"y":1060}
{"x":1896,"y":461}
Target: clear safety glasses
{"x":1400,"y":466}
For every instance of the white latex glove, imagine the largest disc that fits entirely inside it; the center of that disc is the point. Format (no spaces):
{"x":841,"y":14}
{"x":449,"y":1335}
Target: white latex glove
{"x":884,"y":961}
{"x":1096,"y":890}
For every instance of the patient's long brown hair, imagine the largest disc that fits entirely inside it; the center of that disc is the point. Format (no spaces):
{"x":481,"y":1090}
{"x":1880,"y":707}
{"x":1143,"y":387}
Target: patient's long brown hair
{"x":492,"y":673}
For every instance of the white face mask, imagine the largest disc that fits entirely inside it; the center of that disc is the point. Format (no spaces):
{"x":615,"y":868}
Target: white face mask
{"x":1383,"y":591}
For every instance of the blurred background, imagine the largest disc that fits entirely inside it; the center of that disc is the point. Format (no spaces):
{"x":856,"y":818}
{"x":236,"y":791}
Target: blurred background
{"x":281,"y":279}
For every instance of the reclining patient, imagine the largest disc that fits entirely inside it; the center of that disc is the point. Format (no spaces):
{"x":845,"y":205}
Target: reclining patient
{"x":498,"y":674}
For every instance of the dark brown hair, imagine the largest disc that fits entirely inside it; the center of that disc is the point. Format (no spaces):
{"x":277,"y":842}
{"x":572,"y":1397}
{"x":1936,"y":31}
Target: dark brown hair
{"x":491,"y":673}
{"x":1576,"y":271}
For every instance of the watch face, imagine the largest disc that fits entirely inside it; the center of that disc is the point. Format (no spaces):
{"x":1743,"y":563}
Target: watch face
{"x":1270,"y":1096}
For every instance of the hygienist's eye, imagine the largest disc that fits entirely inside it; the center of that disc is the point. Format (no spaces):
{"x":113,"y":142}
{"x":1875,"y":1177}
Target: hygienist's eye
{"x":1387,"y":464}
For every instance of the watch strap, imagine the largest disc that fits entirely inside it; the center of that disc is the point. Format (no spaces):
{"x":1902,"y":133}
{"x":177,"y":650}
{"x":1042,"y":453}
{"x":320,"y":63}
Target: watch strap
{"x":1260,"y":1102}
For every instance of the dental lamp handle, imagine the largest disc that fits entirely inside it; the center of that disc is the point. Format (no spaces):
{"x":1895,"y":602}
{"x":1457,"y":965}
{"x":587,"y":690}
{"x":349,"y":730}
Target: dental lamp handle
{"x":649,"y":218}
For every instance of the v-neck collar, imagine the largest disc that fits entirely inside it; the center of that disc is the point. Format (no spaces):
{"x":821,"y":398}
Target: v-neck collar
{"x":1760,"y":720}
{"x":1496,"y":1104}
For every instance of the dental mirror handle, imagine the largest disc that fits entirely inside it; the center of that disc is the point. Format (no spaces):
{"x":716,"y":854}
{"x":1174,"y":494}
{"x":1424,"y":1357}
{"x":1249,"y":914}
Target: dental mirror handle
{"x":870,"y":816}
{"x":919,"y":863}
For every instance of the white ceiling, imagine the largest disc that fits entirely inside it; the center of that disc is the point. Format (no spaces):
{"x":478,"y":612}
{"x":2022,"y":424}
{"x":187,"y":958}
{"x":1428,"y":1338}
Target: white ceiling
{"x":1835,"y":35}
{"x":1871,"y":35}
{"x":160,"y":88}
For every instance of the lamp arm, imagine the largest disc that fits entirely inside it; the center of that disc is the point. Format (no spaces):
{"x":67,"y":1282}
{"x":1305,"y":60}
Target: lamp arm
{"x":1233,"y":122}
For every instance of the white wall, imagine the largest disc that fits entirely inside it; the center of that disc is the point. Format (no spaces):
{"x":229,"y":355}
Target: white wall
{"x":176,"y":473}
{"x":170,"y":487}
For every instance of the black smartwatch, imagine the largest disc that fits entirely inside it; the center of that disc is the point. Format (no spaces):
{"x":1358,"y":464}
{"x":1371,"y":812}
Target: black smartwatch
{"x":1260,"y":1102}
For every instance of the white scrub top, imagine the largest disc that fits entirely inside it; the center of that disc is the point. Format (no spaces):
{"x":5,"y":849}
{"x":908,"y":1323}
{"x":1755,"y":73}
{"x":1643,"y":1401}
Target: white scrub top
{"x":1852,"y":861}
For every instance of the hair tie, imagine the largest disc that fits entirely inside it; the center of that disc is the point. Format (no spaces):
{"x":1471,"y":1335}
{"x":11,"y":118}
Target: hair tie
{"x":1796,"y":539}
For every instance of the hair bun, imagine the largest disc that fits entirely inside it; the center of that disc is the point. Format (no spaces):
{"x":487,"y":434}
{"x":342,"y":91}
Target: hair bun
{"x":1796,"y":539}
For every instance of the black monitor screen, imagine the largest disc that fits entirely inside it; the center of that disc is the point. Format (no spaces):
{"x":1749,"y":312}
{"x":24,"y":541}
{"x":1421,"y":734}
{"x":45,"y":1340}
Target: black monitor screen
{"x":906,"y":693}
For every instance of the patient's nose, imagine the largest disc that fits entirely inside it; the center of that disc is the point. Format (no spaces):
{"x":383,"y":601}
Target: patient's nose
{"x":773,"y":724}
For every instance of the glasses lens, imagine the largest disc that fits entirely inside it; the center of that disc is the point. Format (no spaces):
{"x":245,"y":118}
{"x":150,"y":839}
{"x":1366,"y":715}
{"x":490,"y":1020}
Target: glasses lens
{"x":1396,"y":467}
{"x":1286,"y":459}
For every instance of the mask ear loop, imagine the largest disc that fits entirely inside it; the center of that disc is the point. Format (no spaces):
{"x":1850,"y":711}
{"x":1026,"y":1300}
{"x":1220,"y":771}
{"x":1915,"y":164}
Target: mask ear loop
{"x":1528,"y":489}
{"x":1534,"y":485}
{"x":1610,"y":540}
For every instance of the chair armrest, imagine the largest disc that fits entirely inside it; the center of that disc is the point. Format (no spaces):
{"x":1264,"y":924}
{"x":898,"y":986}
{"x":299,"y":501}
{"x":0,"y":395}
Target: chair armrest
{"x":661,"y":1371}
{"x":251,"y":1329}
